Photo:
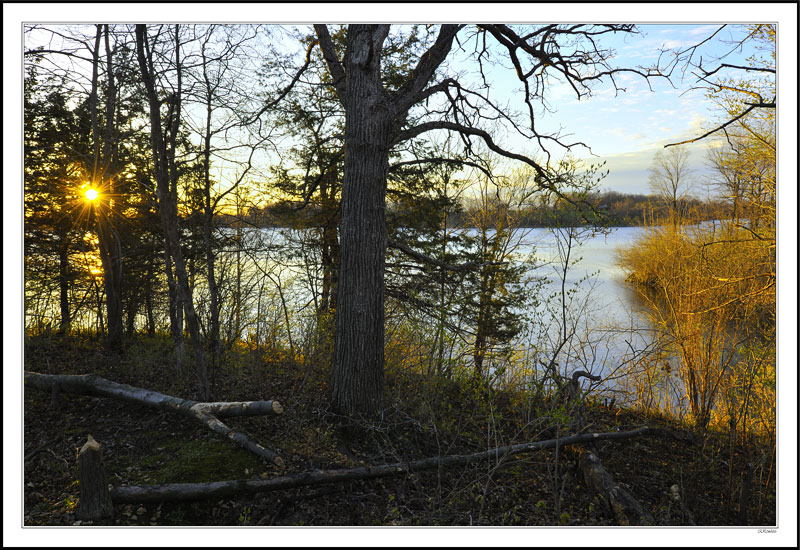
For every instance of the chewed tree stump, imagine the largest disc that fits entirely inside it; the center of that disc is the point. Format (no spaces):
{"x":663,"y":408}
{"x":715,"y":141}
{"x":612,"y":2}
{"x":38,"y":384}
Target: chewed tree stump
{"x":95,"y":500}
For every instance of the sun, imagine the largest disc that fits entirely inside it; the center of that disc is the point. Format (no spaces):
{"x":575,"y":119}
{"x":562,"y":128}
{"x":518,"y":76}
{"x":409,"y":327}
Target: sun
{"x":91,"y":194}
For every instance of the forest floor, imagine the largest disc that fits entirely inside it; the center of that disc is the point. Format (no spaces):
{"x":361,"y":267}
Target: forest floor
{"x":143,"y":446}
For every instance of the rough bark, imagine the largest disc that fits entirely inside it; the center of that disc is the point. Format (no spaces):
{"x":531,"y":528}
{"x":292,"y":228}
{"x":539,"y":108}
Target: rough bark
{"x":95,"y":500}
{"x":373,"y":118}
{"x":357,"y":375}
{"x":205,"y":413}
{"x":217,"y":489}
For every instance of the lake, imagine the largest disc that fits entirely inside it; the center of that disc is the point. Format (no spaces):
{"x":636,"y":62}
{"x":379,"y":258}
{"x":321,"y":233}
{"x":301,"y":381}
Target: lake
{"x":609,"y":322}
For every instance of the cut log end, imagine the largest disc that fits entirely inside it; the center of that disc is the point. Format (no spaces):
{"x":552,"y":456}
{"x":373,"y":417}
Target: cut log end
{"x":277,"y":408}
{"x":95,"y":500}
{"x":90,"y":445}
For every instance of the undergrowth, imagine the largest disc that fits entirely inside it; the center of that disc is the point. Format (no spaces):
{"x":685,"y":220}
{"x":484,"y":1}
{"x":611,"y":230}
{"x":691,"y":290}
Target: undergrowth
{"x":426,"y":416}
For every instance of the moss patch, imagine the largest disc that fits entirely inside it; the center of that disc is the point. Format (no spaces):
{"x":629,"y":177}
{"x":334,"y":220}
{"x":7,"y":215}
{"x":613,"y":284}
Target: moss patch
{"x":195,"y":461}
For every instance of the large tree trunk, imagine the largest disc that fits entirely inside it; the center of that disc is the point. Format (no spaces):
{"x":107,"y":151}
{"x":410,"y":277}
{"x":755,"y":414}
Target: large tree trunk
{"x":205,"y":413}
{"x":357,"y":377}
{"x":373,"y":119}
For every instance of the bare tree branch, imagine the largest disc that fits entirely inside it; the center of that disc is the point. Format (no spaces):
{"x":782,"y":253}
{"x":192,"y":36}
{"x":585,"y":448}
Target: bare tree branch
{"x":409,"y":93}
{"x":414,"y":131}
{"x":332,"y":60}
{"x":195,"y":491}
{"x":438,"y":160}
{"x":769,"y":105}
{"x":287,"y":89}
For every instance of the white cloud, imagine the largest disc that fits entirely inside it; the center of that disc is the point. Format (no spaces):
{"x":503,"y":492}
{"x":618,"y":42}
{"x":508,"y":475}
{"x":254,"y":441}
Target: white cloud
{"x":704,"y":30}
{"x":629,"y":172}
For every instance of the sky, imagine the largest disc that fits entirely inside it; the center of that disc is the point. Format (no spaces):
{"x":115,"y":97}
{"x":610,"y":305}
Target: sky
{"x":626,"y":131}
{"x":623,"y":128}
{"x":626,"y":128}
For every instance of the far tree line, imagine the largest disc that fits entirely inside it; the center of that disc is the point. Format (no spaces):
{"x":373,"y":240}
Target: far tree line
{"x":610,"y":208}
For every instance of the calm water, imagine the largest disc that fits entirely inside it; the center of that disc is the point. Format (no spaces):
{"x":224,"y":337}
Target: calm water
{"x":607,"y":319}
{"x":595,"y":260}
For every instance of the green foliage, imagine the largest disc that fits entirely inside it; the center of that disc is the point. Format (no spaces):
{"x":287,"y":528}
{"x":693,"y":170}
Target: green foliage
{"x":244,"y":517}
{"x":63,"y":264}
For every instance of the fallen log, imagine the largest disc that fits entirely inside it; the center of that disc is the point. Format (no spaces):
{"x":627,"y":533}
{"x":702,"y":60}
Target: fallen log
{"x":217,"y":489}
{"x":205,"y":413}
{"x":617,"y":500}
{"x":225,"y":409}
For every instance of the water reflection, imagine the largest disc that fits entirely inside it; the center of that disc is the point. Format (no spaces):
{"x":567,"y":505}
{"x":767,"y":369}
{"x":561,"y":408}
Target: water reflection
{"x":609,"y":319}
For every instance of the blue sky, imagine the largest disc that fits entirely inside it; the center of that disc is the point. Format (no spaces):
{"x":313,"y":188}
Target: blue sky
{"x":629,"y":129}
{"x":626,"y":129}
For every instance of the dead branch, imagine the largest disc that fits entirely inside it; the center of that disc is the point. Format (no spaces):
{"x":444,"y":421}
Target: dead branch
{"x":217,"y":489}
{"x":205,"y":413}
